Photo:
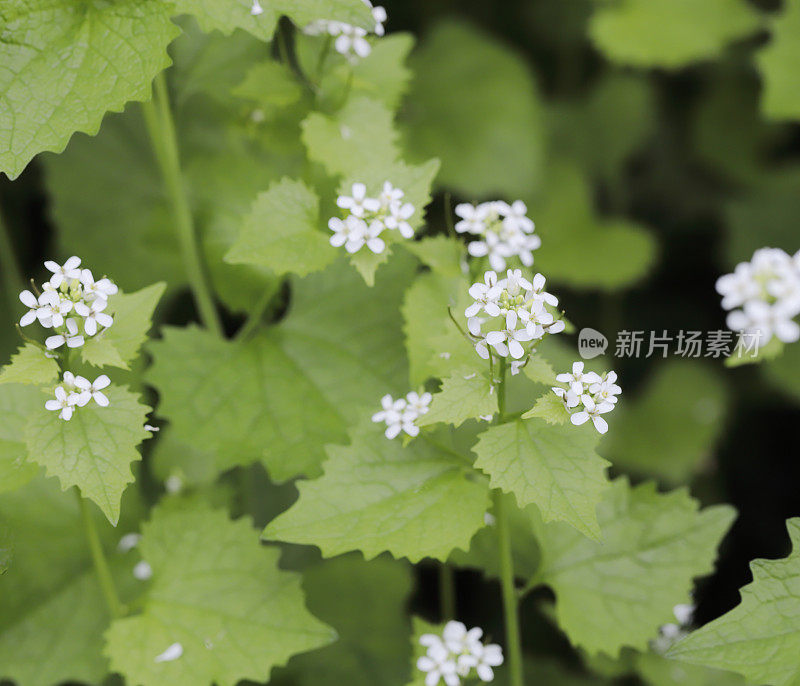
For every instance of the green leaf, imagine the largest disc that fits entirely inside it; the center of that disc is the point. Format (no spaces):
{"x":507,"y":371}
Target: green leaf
{"x":272,"y":85}
{"x":669,"y":33}
{"x":281,"y":232}
{"x":683,"y":408}
{"x":347,"y":337}
{"x":17,"y":404}
{"x":415,"y":501}
{"x":465,"y":395}
{"x":65,"y":65}
{"x":30,"y":365}
{"x":372,"y":648}
{"x":554,"y":467}
{"x":441,"y":253}
{"x":761,"y":636}
{"x":119,"y":345}
{"x":93,"y":450}
{"x":539,"y":370}
{"x":494,"y":145}
{"x":425,"y":312}
{"x":52,"y":611}
{"x":219,"y":594}
{"x":384,"y":76}
{"x":361,"y":135}
{"x":658,"y":670}
{"x":271,"y":411}
{"x":550,"y":408}
{"x":777,"y":63}
{"x":580,"y":248}
{"x":618,"y":592}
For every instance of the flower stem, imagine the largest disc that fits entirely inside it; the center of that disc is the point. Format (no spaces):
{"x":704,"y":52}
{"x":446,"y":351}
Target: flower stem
{"x":12,"y":277}
{"x":510,"y":598}
{"x":99,"y":561}
{"x":161,"y":127}
{"x":447,"y":592}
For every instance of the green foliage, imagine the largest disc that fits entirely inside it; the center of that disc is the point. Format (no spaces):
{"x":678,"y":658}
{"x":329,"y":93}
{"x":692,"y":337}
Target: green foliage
{"x":686,"y":30}
{"x":52,"y":613}
{"x":282,"y":232}
{"x":465,"y":395}
{"x":554,"y":467}
{"x":566,"y":220}
{"x":415,"y":501}
{"x":550,"y":408}
{"x":617,"y":591}
{"x":217,"y":593}
{"x":760,"y":637}
{"x":488,"y":144}
{"x":371,"y":648}
{"x":94,"y":450}
{"x":777,"y":65}
{"x":271,"y":412}
{"x":66,"y":65}
{"x":683,"y":408}
{"x":17,"y":403}
{"x":119,"y":345}
{"x":30,"y":365}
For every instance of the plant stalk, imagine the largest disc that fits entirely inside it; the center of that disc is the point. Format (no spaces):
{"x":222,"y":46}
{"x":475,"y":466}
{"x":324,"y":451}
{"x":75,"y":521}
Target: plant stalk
{"x":99,"y":561}
{"x":12,"y":277}
{"x":161,"y":128}
{"x":510,"y":598}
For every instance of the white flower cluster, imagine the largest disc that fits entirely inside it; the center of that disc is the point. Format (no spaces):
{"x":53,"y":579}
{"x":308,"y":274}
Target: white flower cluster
{"x":71,"y":290}
{"x":400,"y":415}
{"x":590,"y":394}
{"x":516,"y":313}
{"x":369,"y":217}
{"x":505,"y":231}
{"x":453,"y":655}
{"x":76,"y":391}
{"x":351,"y":41}
{"x":669,"y":634}
{"x":764,"y":295}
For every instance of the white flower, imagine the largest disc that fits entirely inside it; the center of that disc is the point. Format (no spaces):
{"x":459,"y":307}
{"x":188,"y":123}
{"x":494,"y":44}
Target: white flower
{"x":458,"y":640}
{"x":390,"y":196}
{"x":486,"y":657}
{"x":739,"y":287}
{"x":351,"y":42}
{"x":485,"y":295}
{"x":515,"y":216}
{"x":358,"y":204}
{"x":93,"y":315}
{"x":578,"y":379}
{"x":256,"y":9}
{"x":769,"y":320}
{"x":568,"y":396}
{"x":606,"y":389}
{"x":418,"y":404}
{"x":128,"y":542}
{"x":349,"y":233}
{"x":509,"y":339}
{"x":92,"y":289}
{"x":592,"y":411}
{"x":92,"y":391}
{"x":66,"y":272}
{"x":30,"y":301}
{"x":398,"y":219}
{"x":70,"y":337}
{"x":472,"y":219}
{"x":172,"y":653}
{"x":52,"y":309}
{"x":372,"y":236}
{"x":379,"y":16}
{"x":142,"y":571}
{"x":64,"y":403}
{"x":391,"y":415}
{"x":438,"y":664}
{"x":538,"y":293}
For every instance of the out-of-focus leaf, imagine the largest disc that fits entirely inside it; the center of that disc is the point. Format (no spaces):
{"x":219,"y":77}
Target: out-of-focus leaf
{"x":778,"y":65}
{"x":669,"y":33}
{"x":683,"y":408}
{"x":17,"y":404}
{"x":476,"y":109}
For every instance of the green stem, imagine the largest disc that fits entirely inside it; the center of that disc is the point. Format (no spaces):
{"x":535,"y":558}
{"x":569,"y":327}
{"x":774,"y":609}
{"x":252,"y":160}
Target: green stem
{"x":510,"y":607}
{"x":256,"y":316}
{"x":510,"y":601}
{"x":107,"y":586}
{"x":12,"y":277}
{"x":161,"y":127}
{"x":447,"y":592}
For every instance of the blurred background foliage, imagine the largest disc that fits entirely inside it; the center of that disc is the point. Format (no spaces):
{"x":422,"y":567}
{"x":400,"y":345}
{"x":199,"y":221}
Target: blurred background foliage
{"x":656,"y":144}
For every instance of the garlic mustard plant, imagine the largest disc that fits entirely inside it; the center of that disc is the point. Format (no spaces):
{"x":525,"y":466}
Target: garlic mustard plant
{"x":456,"y":654}
{"x":401,"y":414}
{"x":764,"y":296}
{"x":587,"y":395}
